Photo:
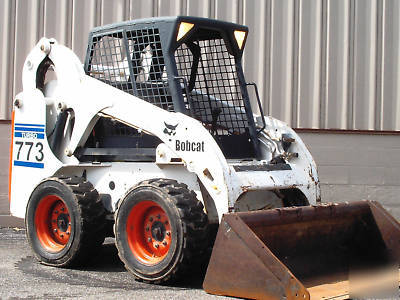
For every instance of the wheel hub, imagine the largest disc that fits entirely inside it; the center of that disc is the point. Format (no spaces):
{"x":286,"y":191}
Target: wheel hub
{"x":62,"y":222}
{"x":158,"y":231}
{"x":149,"y":232}
{"x":53,"y":223}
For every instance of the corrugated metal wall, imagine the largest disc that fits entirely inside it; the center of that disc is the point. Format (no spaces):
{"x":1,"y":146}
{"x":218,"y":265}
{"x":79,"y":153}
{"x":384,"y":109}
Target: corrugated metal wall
{"x":318,"y":63}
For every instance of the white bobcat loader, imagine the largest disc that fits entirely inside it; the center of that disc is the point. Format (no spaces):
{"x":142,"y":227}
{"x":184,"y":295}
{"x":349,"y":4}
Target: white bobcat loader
{"x":156,"y":135}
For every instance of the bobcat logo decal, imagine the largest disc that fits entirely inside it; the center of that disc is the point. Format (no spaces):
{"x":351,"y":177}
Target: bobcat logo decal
{"x":170,"y":129}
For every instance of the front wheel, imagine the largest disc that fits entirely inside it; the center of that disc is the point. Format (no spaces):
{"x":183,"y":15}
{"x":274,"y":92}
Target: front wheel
{"x":160,"y":230}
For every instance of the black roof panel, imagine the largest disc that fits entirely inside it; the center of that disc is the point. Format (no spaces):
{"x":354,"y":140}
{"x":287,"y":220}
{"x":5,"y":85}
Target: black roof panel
{"x":204,"y":22}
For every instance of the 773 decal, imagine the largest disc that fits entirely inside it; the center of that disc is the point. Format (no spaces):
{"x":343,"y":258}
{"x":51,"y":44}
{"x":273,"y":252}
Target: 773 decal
{"x":29,"y":153}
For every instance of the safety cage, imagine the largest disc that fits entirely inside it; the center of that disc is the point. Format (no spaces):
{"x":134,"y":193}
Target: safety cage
{"x":181,"y":64}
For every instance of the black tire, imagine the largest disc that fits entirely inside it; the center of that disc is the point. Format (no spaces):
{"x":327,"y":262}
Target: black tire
{"x":56,"y":202}
{"x":173,"y":204}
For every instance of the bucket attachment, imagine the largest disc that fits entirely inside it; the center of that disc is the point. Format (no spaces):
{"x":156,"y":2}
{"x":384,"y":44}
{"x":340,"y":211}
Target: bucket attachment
{"x":309,"y":252}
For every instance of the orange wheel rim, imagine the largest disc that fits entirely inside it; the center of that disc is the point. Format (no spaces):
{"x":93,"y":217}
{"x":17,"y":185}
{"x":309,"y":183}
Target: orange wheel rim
{"x":149,"y":232}
{"x":53,"y":223}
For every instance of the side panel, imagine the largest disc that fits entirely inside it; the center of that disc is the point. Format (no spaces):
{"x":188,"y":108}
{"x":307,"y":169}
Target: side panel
{"x":32,"y":159}
{"x":116,"y":179}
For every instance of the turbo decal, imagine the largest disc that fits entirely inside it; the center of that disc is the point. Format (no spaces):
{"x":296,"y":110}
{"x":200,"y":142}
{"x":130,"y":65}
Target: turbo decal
{"x":29,"y":131}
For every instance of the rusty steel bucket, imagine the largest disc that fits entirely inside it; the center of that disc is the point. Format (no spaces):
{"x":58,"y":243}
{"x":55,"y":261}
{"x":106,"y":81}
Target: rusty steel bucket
{"x":304,"y":252}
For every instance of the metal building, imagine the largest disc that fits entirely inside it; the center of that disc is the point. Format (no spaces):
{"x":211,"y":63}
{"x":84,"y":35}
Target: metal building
{"x":330,"y":68}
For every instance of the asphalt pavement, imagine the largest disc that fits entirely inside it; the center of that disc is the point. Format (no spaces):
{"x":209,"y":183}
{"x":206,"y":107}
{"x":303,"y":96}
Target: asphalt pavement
{"x":23,"y":277}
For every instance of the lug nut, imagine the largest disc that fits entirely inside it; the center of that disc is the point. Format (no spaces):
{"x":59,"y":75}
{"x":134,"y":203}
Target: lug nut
{"x":156,"y":245}
{"x":68,"y":232}
{"x":55,"y":230}
{"x":168,"y":233}
{"x":151,"y":219}
{"x":56,"y":212}
{"x":149,"y":239}
{"x":164,"y":243}
{"x":147,"y":228}
{"x":62,"y":208}
{"x":166,"y":222}
{"x":61,"y":235}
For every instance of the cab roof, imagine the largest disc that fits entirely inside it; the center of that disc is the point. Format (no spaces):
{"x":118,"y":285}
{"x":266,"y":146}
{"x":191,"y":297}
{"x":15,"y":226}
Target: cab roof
{"x":160,"y":21}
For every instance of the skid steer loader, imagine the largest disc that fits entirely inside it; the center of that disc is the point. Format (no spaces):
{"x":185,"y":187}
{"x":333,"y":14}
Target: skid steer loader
{"x":157,"y":136}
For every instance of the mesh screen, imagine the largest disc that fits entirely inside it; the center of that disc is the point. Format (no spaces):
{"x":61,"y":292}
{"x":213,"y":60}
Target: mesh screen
{"x":148,"y":67}
{"x":216,"y":98}
{"x":110,"y":64}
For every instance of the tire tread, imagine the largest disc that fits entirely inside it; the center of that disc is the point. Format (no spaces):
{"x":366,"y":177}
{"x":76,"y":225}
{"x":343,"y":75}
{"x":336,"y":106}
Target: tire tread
{"x":91,"y":218}
{"x":194,"y":221}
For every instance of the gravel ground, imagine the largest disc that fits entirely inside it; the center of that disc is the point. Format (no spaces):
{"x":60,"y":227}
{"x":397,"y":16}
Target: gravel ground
{"x":22,"y":277}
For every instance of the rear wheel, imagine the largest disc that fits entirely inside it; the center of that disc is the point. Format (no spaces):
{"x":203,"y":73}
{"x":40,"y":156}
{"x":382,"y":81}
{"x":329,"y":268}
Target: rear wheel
{"x":160,"y":230}
{"x":64,"y":221}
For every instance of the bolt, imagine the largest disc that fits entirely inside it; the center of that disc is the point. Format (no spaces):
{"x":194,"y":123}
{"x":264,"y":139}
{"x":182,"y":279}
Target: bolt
{"x":164,"y":243}
{"x":156,"y":245}
{"x":68,"y":232}
{"x":29,"y":64}
{"x":149,"y":239}
{"x":147,"y":228}
{"x":61,"y":235}
{"x":168,"y":233}
{"x":69,"y":224}
{"x":55,"y":230}
{"x":68,"y":152}
{"x":151,"y":219}
{"x":17,"y":103}
{"x":62,"y":208}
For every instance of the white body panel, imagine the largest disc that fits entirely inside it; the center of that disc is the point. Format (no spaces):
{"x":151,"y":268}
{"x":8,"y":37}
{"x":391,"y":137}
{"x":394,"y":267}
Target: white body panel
{"x":89,"y":99}
{"x":126,"y":175}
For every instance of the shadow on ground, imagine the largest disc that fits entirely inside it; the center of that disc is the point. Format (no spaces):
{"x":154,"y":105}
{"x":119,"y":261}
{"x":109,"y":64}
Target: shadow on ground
{"x":104,"y":269}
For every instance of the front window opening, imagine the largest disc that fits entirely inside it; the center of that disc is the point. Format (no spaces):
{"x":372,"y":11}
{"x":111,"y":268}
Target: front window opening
{"x":216,"y":97}
{"x":148,"y":67}
{"x":109,"y":64}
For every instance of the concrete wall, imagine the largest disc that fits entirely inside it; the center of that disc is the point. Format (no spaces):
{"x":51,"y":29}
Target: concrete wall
{"x":351,"y":167}
{"x":358,"y":166}
{"x":5,"y":137}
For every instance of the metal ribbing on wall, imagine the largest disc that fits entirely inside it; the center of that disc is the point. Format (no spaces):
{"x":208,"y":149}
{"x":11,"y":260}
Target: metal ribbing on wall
{"x":318,"y":64}
{"x":7,"y":13}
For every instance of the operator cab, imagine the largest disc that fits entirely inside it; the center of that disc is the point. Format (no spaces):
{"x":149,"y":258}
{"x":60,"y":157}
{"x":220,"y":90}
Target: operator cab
{"x":181,"y":64}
